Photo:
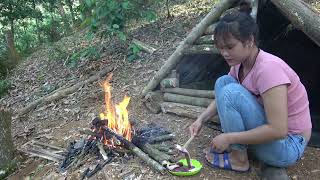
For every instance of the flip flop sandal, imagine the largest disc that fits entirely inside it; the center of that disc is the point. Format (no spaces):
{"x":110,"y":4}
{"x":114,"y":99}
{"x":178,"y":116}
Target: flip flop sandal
{"x":226,"y":161}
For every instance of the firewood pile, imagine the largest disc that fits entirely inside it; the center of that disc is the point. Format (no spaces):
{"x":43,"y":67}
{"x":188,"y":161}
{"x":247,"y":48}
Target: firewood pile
{"x":152,"y":144}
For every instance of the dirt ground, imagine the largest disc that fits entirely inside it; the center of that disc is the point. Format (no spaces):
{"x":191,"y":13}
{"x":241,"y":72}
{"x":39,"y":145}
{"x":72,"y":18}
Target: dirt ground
{"x":58,"y":122}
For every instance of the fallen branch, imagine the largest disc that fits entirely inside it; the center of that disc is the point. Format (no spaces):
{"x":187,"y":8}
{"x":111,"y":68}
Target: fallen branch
{"x":64,"y":92}
{"x":191,"y":92}
{"x":196,"y":101}
{"x":144,"y":46}
{"x":185,"y":110}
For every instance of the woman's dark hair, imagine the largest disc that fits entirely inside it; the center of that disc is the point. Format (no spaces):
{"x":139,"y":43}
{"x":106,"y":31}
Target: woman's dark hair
{"x":238,"y":24}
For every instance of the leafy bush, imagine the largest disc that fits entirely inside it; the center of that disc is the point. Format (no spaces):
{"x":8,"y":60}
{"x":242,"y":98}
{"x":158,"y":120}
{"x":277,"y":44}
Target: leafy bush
{"x":111,"y":16}
{"x":4,"y":87}
{"x":133,"y":52}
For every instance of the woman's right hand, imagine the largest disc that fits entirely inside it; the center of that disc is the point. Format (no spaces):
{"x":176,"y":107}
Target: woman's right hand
{"x":195,"y":127}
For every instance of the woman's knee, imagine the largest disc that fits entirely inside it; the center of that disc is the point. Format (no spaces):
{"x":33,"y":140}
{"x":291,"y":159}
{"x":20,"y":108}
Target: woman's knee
{"x":223,"y":81}
{"x":231,"y":91}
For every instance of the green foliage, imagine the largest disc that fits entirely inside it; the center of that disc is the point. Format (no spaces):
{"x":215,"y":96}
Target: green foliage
{"x":133,"y":52}
{"x":91,"y":53}
{"x":4,"y":87}
{"x":111,"y":16}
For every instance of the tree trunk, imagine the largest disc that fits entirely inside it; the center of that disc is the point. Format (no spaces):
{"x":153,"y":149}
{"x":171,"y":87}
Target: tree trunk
{"x":64,"y":17}
{"x":69,"y":4}
{"x":194,"y":34}
{"x":6,"y":144}
{"x":37,"y":23}
{"x":301,"y":16}
{"x":13,"y":54}
{"x":196,"y":101}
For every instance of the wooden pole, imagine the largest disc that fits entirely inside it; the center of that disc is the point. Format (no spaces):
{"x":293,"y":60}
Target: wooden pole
{"x":191,"y":92}
{"x":301,"y":16}
{"x":195,"y":33}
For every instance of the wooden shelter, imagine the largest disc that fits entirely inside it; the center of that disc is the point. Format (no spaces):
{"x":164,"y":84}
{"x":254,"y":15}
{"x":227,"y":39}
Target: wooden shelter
{"x":289,"y":29}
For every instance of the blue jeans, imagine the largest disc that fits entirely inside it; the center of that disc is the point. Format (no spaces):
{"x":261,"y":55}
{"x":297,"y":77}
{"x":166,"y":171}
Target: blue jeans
{"x":240,"y":111}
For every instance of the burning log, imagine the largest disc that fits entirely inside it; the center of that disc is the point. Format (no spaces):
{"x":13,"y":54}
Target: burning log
{"x":203,"y":102}
{"x":129,"y":145}
{"x":191,"y":92}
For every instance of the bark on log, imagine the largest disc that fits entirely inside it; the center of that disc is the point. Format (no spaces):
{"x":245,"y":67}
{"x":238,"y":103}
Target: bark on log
{"x":301,"y":16}
{"x":6,"y":144}
{"x":201,"y":49}
{"x":206,"y":39}
{"x":155,"y":153}
{"x":194,"y":34}
{"x":129,"y":145}
{"x":191,"y":92}
{"x":144,"y":46}
{"x":196,"y":101}
{"x":210,"y":29}
{"x":63,"y":92}
{"x":153,"y":100}
{"x":185,"y":110}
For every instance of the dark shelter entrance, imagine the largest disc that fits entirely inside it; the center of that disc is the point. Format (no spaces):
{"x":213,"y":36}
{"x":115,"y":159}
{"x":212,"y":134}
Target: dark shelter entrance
{"x":277,"y":36}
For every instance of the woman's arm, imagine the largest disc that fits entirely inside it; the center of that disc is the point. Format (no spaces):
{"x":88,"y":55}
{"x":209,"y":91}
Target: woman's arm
{"x":206,"y":115}
{"x":276,"y":109}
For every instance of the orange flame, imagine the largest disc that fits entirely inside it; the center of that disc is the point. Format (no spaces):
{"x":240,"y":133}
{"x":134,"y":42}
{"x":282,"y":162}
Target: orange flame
{"x":117,"y":115}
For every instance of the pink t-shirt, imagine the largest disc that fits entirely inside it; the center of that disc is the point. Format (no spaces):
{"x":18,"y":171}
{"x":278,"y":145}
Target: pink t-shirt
{"x":270,"y":71}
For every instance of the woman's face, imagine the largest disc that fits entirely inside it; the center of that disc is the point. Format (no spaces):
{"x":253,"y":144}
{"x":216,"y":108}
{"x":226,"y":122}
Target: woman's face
{"x":233,"y":50}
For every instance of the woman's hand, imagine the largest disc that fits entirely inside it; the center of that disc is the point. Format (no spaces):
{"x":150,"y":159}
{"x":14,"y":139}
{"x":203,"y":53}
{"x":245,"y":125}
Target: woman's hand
{"x":220,"y":143}
{"x":195,"y":127}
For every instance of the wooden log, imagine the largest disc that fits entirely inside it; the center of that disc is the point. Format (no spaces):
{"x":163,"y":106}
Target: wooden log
{"x":144,"y":46}
{"x":129,"y":145}
{"x":206,"y":39}
{"x":155,"y":153}
{"x":196,"y":101}
{"x":153,"y":100}
{"x":191,"y":92}
{"x":301,"y":16}
{"x":64,"y":92}
{"x":166,"y":137}
{"x":210,"y":29}
{"x":185,"y":110}
{"x":6,"y":143}
{"x":194,"y":34}
{"x":201,"y":49}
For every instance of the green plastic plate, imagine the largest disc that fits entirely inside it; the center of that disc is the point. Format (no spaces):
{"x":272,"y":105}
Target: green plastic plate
{"x":197,"y":167}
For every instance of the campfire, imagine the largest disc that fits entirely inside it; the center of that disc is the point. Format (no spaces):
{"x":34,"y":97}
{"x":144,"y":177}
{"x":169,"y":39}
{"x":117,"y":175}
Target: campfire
{"x":111,"y":136}
{"x":115,"y":118}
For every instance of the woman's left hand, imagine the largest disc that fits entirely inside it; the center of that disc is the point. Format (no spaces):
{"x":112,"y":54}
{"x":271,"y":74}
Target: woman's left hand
{"x":220,"y":143}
